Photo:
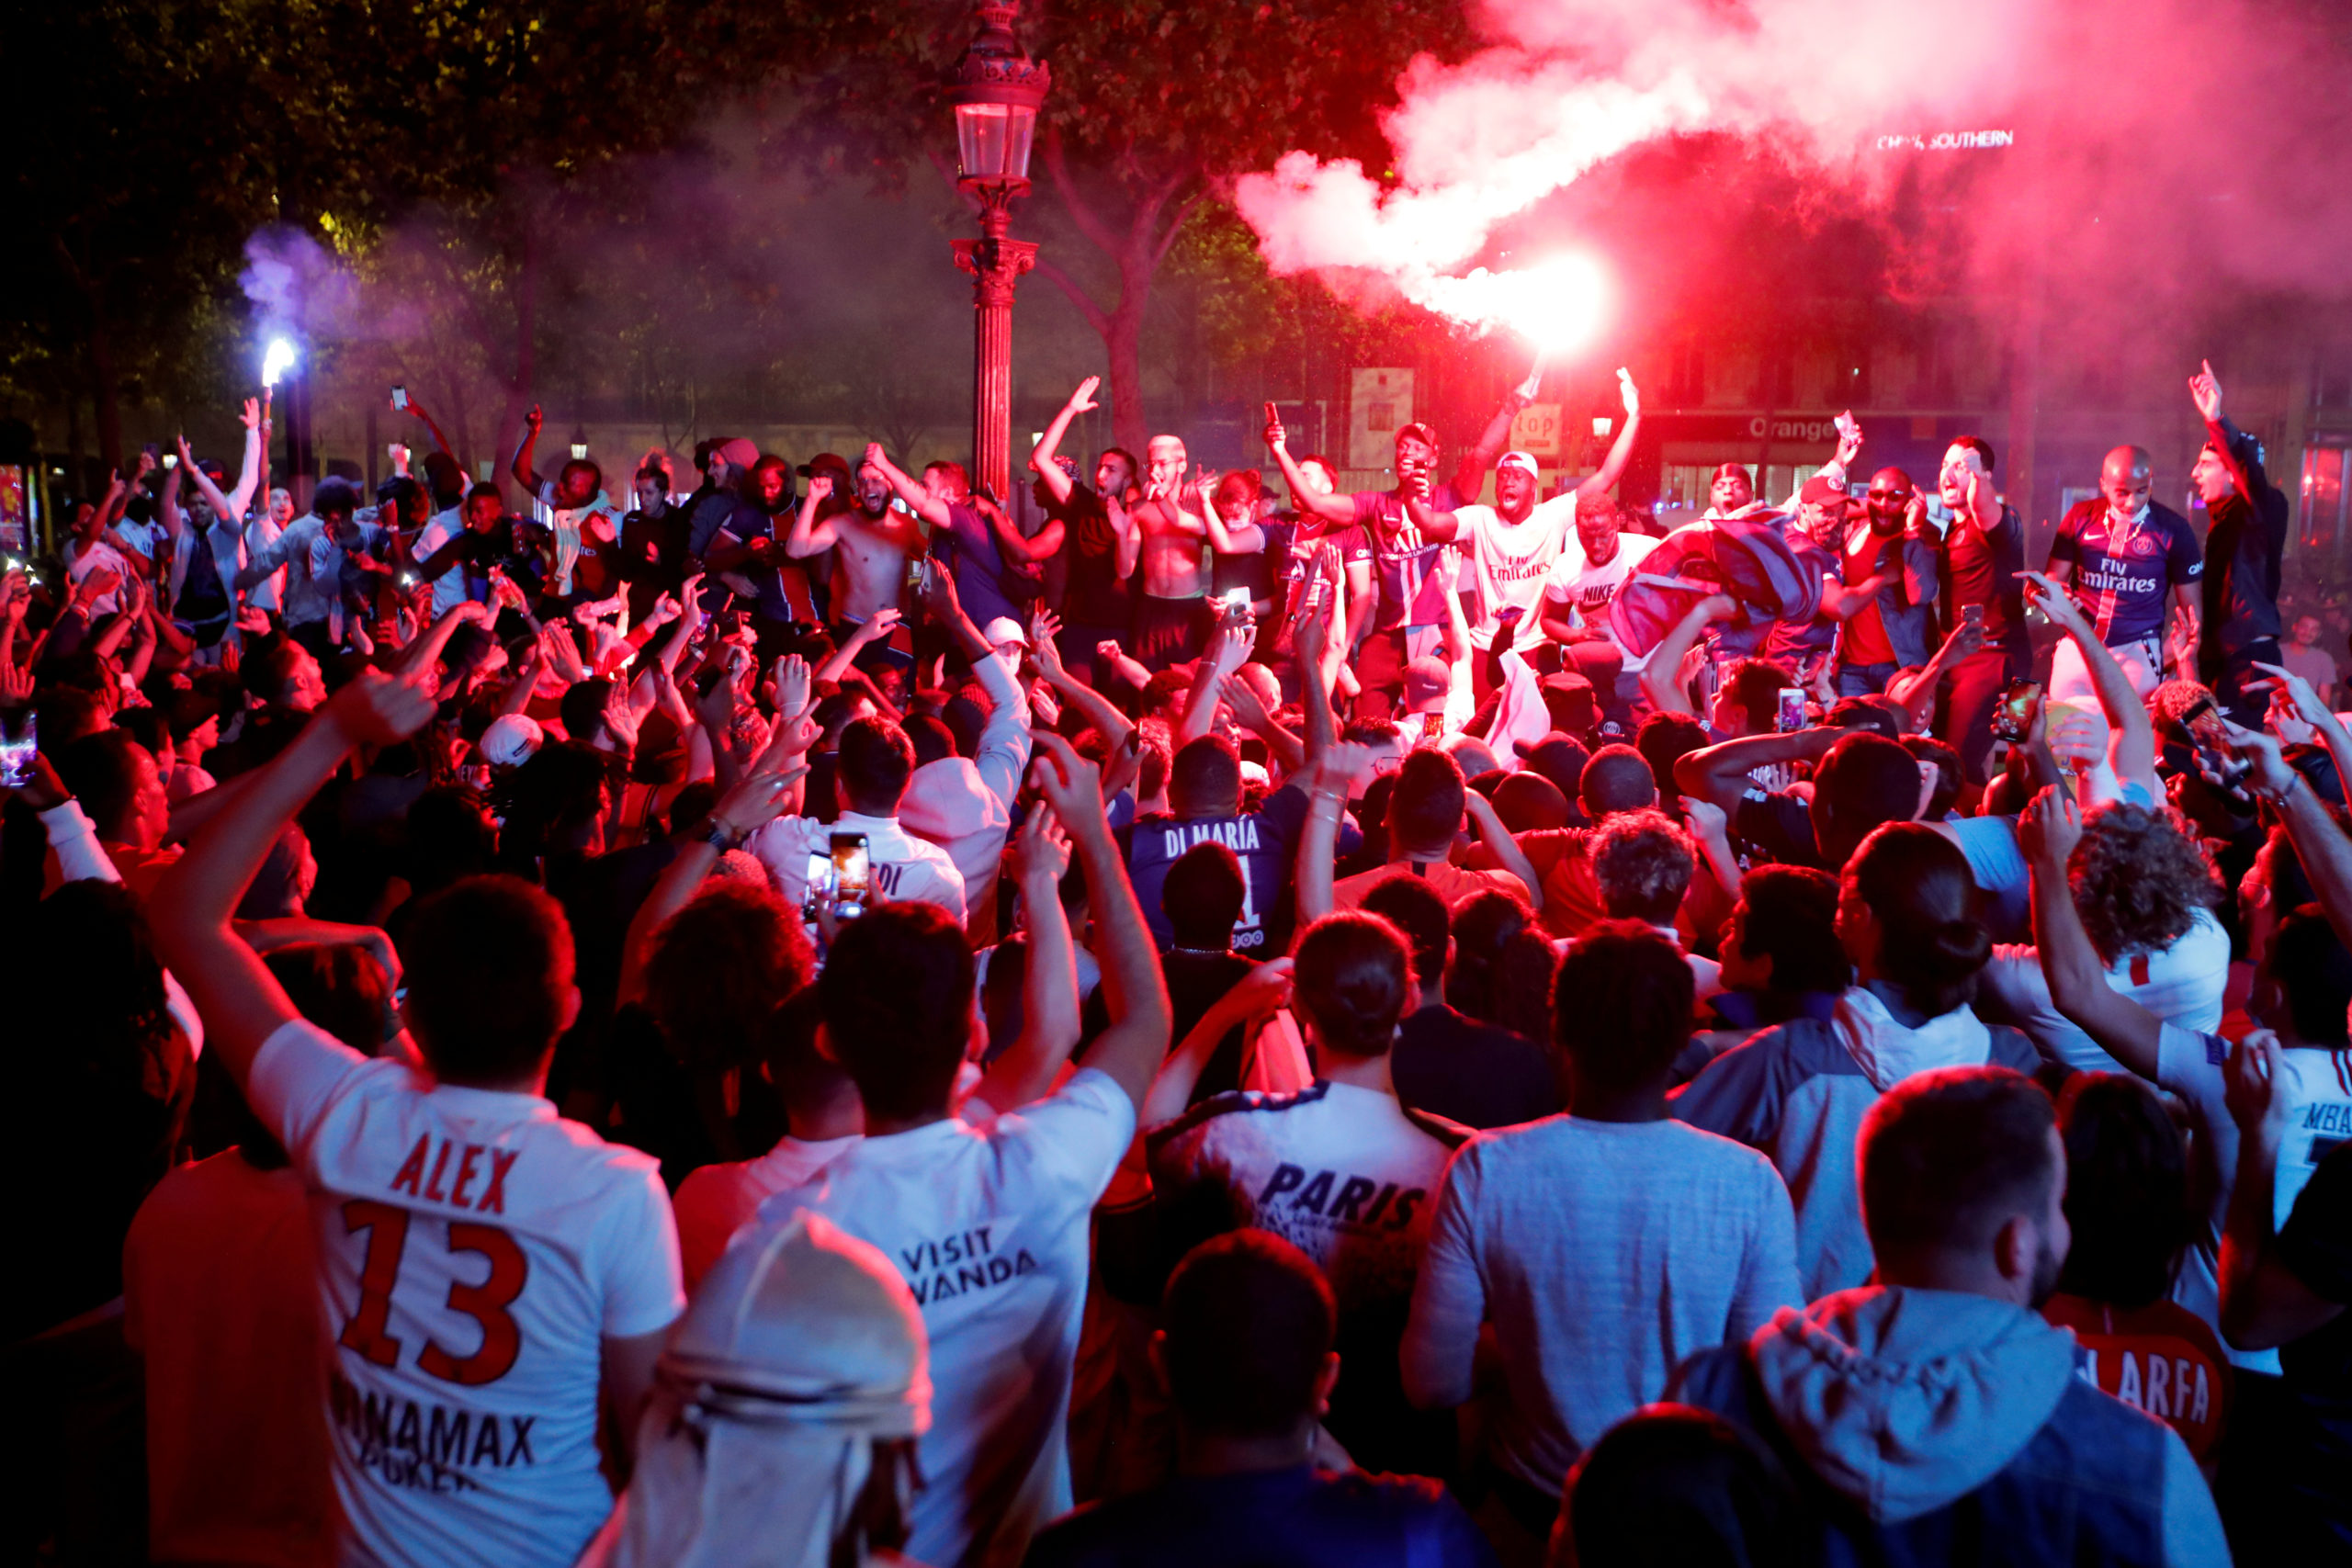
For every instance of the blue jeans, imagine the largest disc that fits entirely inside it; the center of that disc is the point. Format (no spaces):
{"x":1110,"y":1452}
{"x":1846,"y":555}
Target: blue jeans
{"x":1865,"y":679}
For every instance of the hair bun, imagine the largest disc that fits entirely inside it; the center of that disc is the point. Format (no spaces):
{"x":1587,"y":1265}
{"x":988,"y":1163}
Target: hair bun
{"x":1958,"y":948}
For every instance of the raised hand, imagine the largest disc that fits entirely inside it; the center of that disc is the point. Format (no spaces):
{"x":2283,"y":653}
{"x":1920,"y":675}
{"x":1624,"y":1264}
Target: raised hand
{"x":757,"y":799}
{"x":2055,"y":602}
{"x":1071,"y":784}
{"x":1041,"y":848}
{"x":1706,"y":818}
{"x":1849,"y":439}
{"x":2049,"y":829}
{"x":1344,"y":765}
{"x":792,"y":685}
{"x":2306,"y":703}
{"x":2250,"y":1085}
{"x":2205,"y":391}
{"x":1263,"y":989}
{"x":1628,"y":394}
{"x":535,"y":419}
{"x":1275,"y":434}
{"x":820,"y":489}
{"x":251,"y":418}
{"x":1043,"y":627}
{"x":873,"y":456}
{"x":1248,"y":712}
{"x":2273,"y":775}
{"x":1083,"y":400}
{"x":620,"y":720}
{"x":375,"y":709}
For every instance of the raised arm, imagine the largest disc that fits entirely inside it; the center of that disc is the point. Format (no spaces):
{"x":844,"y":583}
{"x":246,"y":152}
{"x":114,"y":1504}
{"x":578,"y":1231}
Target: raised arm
{"x":1470,"y":474}
{"x":1232,"y":648}
{"x":189,"y":913}
{"x":1329,"y":782}
{"x":1313,"y":633}
{"x":1661,"y":678}
{"x":808,"y":536}
{"x":2320,"y":843}
{"x":1017,"y":546}
{"x":1621,"y":451}
{"x":521,"y":468}
{"x":2205,"y":391}
{"x":249,"y":474}
{"x":1917,"y":693}
{"x":1718,"y":774}
{"x":1442,"y":526}
{"x":1287,"y":749}
{"x":1131,"y":1050}
{"x":2264,"y":1302}
{"x":222,"y":505}
{"x":1041,"y":456}
{"x":1092,"y":706}
{"x":2133,"y":752}
{"x":1235,"y":539}
{"x":918,"y":500}
{"x":1338,"y":510}
{"x":439,"y":440}
{"x":2312,"y":707}
{"x":1126,"y":533}
{"x":1501,"y":845}
{"x":2047,"y":833}
{"x":753,"y":804}
{"x":1049,"y":1003}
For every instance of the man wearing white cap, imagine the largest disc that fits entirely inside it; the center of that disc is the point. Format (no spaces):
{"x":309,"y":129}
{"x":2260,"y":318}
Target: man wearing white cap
{"x":1513,"y":544}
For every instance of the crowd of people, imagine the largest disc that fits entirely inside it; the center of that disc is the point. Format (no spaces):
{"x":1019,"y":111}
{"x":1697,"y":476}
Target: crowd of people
{"x":800,"y":1020}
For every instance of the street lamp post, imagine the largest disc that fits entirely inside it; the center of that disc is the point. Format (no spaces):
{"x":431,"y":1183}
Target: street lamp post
{"x":997,"y":90}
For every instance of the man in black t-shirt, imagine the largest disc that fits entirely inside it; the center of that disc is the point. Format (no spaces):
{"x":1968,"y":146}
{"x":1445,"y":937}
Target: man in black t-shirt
{"x":1095,"y":607}
{"x":1445,"y":1061}
{"x":2240,"y":625}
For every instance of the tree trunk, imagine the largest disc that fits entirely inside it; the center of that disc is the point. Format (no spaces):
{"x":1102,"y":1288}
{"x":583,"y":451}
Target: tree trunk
{"x":1137,"y":248}
{"x":1123,"y":342}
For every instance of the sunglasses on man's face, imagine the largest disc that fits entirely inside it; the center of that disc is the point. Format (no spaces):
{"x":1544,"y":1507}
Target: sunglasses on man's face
{"x":1890,"y":495}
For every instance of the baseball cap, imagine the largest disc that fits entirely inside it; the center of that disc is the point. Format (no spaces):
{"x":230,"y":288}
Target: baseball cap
{"x":1524,"y":461}
{"x":1573,"y":706}
{"x":513,"y":739}
{"x":1820,"y":490}
{"x":1001,"y":630}
{"x":1427,"y":680}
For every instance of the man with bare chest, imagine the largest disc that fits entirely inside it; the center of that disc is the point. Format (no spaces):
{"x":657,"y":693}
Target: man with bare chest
{"x":871,"y":544}
{"x":1172,"y":612}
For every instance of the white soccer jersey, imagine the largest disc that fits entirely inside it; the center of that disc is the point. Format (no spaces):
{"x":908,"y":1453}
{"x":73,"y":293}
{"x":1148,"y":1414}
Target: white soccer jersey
{"x":907,"y":870}
{"x":1510,"y":562}
{"x":475,"y":1250}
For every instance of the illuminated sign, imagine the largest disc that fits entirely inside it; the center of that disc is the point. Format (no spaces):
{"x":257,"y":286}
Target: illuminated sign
{"x":1535,"y":430}
{"x":1948,"y":141}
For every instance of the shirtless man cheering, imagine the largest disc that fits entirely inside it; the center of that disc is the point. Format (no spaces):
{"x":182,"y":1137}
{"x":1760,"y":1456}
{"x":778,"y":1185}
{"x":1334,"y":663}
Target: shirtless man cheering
{"x":1172,"y":612}
{"x":871,"y":543}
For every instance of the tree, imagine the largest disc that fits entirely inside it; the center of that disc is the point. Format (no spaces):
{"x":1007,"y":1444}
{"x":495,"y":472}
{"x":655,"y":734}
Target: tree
{"x":1155,"y":109}
{"x":153,"y":138}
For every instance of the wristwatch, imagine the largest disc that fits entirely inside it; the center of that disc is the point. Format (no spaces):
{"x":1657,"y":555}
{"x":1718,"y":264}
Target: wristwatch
{"x":723,"y":838}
